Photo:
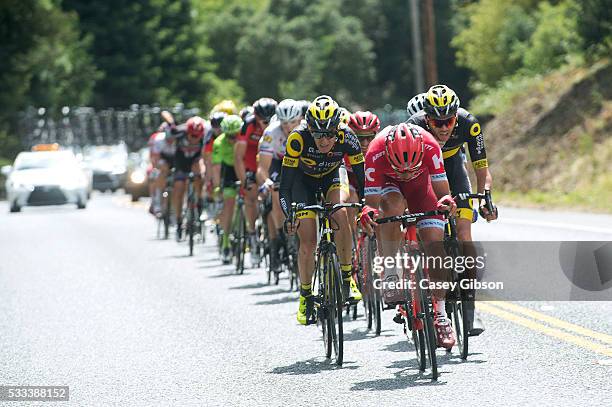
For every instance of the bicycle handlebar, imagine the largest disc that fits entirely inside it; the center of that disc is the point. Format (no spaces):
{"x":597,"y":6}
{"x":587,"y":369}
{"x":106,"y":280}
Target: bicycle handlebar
{"x":491,"y":208}
{"x":326,"y":207}
{"x":410,"y":217}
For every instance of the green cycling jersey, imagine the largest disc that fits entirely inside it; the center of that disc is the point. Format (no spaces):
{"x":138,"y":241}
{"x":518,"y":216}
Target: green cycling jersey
{"x":223,"y":150}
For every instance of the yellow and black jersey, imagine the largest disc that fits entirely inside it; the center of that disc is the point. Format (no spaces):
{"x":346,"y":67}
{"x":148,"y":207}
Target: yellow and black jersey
{"x":302,"y":152}
{"x":302,"y":157}
{"x":467,"y":130}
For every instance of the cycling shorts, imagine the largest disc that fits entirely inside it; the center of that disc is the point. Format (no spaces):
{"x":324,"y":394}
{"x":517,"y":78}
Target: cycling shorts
{"x":459,"y":183}
{"x":306,"y":188}
{"x":420,"y":197}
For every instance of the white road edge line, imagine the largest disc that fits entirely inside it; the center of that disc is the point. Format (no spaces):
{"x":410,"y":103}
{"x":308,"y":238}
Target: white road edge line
{"x":569,"y":226}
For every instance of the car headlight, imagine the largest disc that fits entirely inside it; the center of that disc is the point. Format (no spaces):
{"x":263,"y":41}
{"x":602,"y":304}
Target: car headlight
{"x":138,"y":177}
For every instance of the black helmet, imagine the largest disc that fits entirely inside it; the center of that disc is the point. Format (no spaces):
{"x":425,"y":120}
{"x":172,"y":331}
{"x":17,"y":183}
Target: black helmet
{"x":246,"y":111}
{"x":265,"y":108}
{"x":216,"y":118}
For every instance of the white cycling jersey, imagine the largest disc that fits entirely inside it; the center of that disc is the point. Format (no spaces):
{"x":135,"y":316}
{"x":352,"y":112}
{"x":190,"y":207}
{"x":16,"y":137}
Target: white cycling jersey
{"x":273,"y":141}
{"x":161,"y":146}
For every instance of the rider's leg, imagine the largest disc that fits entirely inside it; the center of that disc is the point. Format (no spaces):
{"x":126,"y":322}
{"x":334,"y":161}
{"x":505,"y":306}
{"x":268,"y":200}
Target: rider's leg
{"x":464,"y":234}
{"x":389,"y":239}
{"x":250,"y":207}
{"x":178,"y":193}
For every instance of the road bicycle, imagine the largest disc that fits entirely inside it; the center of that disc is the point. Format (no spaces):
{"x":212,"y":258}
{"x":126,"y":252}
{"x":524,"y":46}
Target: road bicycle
{"x":417,"y":311}
{"x":328,"y":299}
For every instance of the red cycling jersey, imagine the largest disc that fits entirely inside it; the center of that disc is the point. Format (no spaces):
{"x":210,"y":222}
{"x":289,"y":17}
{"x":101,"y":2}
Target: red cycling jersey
{"x":381,"y":179}
{"x":250,"y":134}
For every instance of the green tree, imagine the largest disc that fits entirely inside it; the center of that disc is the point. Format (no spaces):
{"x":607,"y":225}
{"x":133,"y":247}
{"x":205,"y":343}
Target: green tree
{"x":490,"y":37}
{"x":125,"y":48}
{"x":44,"y":63}
{"x":595,"y":26}
{"x":555,"y":37}
{"x":318,"y":51}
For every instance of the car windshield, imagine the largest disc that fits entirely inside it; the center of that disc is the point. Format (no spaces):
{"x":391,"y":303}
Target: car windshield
{"x":29,"y":161}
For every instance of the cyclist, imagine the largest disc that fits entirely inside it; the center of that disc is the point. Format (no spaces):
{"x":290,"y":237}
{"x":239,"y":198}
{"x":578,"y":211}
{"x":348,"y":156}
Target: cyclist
{"x":163,"y":149}
{"x":314,"y":154}
{"x":245,"y":112}
{"x":224,"y":176}
{"x":214,"y":130}
{"x":187,"y":158}
{"x":404,"y":166}
{"x":304,"y":104}
{"x":365,"y":125}
{"x":453,"y":127}
{"x":271,"y":153}
{"x":245,"y":160}
{"x":226,"y":106}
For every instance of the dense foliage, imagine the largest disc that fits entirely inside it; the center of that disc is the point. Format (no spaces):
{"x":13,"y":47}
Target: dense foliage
{"x":117,"y":52}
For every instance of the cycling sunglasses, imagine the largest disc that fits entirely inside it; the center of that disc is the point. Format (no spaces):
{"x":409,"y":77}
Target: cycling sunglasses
{"x":317,"y":135}
{"x":366,"y":137}
{"x":440,"y":123}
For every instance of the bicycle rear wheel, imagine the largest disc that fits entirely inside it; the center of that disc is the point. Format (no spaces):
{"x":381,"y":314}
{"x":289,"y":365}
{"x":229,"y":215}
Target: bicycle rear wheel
{"x":459,"y":319}
{"x":375,"y":294}
{"x":166,"y":214}
{"x":425,"y":303}
{"x":191,"y":228}
{"x":241,"y":243}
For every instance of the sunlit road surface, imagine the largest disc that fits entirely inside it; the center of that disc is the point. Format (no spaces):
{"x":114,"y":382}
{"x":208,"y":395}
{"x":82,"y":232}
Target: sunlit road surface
{"x":93,"y":300}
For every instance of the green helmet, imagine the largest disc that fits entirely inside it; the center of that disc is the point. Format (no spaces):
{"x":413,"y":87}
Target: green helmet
{"x":231,"y":124}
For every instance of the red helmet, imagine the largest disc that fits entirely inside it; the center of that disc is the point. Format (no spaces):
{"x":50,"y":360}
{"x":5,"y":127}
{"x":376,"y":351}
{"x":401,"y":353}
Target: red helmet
{"x":195,"y":126}
{"x":404,"y":147}
{"x":363,"y":123}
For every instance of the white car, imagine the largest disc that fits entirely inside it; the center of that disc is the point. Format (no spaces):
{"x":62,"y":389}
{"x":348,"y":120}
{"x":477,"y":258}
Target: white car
{"x":45,"y":178}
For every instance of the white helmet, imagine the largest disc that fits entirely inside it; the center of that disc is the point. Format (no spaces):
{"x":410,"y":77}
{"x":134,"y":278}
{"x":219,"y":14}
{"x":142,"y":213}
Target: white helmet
{"x":416,"y":104}
{"x":288,"y":110}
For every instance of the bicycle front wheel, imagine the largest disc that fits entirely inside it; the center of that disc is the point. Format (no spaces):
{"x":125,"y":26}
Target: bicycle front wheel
{"x":336,"y":304}
{"x":425,"y":303}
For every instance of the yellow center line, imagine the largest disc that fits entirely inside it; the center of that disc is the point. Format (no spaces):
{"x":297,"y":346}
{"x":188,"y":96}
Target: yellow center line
{"x":555,"y":333}
{"x":552,"y":320}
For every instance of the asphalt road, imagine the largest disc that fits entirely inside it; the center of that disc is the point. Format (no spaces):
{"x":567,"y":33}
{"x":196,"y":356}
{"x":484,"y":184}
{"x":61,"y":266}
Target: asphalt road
{"x":92,"y":300}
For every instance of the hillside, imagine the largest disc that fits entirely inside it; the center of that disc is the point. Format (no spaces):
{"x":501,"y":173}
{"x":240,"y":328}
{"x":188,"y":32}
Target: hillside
{"x":552,"y":146}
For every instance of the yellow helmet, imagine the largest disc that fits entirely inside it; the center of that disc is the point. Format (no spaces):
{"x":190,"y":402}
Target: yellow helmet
{"x":323,"y":114}
{"x":441,"y":102}
{"x":345,"y":115}
{"x":226,"y":106}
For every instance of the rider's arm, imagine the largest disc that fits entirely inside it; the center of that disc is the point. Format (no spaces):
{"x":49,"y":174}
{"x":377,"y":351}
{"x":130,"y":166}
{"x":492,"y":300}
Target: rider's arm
{"x":478,"y":154}
{"x":239,"y":152}
{"x":263,"y":168}
{"x":289,"y":170}
{"x":356,"y":160}
{"x":287,"y":177}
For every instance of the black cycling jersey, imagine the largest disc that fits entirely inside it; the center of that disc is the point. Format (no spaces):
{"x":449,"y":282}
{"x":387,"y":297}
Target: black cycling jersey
{"x":467,"y":130}
{"x":304,"y":157}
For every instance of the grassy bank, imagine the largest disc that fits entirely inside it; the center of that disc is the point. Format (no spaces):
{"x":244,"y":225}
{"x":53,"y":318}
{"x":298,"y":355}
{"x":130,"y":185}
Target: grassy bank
{"x":550,"y":142}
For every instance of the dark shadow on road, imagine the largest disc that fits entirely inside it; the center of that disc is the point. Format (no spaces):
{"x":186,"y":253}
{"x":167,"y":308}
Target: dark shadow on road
{"x":228,"y":274}
{"x":276,"y":291}
{"x":357,"y":334}
{"x":275,"y":301}
{"x":178,"y":256}
{"x":209,"y":263}
{"x":249,"y":286}
{"x":409,"y":377}
{"x":312,"y":366}
{"x":453,"y":358}
{"x":402,"y":345}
